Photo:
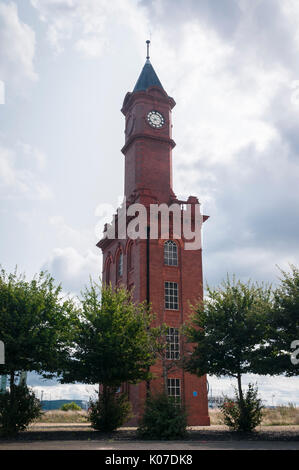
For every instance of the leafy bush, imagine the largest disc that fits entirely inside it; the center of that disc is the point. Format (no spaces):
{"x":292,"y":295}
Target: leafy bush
{"x":243,"y":415}
{"x":18,"y":408}
{"x":110,"y":411}
{"x":163,"y":418}
{"x":70,"y":406}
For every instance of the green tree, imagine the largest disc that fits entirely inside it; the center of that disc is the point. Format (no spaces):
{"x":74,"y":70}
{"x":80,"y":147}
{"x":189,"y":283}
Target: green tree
{"x":35,"y":325}
{"x":283,"y":328}
{"x":72,"y":406}
{"x":18,"y":408}
{"x":111,"y":342}
{"x":228,"y":328}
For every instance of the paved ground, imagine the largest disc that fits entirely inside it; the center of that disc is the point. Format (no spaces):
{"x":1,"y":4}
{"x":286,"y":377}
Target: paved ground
{"x":51,"y":436}
{"x":140,"y":445}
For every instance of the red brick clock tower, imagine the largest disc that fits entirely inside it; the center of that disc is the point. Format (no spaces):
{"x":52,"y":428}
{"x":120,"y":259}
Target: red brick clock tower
{"x":158,"y":270}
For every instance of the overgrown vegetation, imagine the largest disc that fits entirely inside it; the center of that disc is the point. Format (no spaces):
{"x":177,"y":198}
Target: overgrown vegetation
{"x":243,"y":415}
{"x":70,"y":406}
{"x":108,"y":340}
{"x":282,"y":328}
{"x":163,"y":418}
{"x":228,"y":329}
{"x":59,"y":416}
{"x":111,"y":346}
{"x":35,"y":325}
{"x":110,"y":411}
{"x":279,"y":416}
{"x":18,"y":408}
{"x":283,"y":415}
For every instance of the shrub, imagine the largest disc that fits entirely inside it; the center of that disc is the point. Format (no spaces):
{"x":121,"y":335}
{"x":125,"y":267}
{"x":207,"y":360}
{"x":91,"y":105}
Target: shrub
{"x":163,"y":418}
{"x":18,"y":408}
{"x":70,"y":406}
{"x":110,"y":411}
{"x":243,"y":415}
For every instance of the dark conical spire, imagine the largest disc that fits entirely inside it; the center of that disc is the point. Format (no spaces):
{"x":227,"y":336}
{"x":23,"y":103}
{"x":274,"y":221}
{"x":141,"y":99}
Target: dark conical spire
{"x":148,"y":76}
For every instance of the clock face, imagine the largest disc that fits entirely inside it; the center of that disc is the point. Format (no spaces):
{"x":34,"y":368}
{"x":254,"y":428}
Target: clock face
{"x":155,"y":119}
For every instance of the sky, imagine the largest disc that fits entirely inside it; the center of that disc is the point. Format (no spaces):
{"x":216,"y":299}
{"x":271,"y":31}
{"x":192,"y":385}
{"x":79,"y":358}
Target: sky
{"x":232,"y":67}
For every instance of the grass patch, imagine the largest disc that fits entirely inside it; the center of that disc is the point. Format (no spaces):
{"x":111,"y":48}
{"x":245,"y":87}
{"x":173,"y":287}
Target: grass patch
{"x":281,"y":416}
{"x":59,"y":416}
{"x":278,"y":416}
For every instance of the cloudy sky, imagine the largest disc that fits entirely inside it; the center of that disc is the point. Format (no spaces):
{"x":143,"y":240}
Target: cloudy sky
{"x":231,"y":65}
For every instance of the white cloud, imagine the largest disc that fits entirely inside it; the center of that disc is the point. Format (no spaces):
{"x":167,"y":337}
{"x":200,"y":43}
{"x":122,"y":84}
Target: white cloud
{"x":33,"y":155}
{"x":73,"y":268}
{"x":221,"y":105}
{"x":91,"y":46}
{"x":2,"y":92}
{"x":64,"y":391}
{"x":80,"y":239}
{"x":20,"y":173}
{"x":17,"y":47}
{"x":274,"y":390}
{"x":226,"y":72}
{"x":75,"y":257}
{"x":291,"y":10}
{"x":89,"y":23}
{"x":247,"y":262}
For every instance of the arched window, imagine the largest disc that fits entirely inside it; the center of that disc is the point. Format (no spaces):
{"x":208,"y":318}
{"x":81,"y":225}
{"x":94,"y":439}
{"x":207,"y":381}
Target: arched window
{"x":170,"y":253}
{"x":108,"y":268}
{"x":120,"y":265}
{"x":129,"y":256}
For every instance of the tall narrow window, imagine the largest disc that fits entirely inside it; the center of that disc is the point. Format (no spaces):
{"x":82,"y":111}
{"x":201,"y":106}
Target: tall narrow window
{"x":129,"y":256}
{"x":170,"y":253}
{"x":120,"y":265}
{"x":173,"y":344}
{"x":171,"y":296}
{"x":174,"y":389}
{"x":108,"y":268}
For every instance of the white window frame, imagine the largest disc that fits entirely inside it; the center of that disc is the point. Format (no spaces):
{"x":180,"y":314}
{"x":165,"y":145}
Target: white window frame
{"x":120,"y":265}
{"x":173,"y":344}
{"x":174,"y":389}
{"x":170,"y":253}
{"x":171,"y":295}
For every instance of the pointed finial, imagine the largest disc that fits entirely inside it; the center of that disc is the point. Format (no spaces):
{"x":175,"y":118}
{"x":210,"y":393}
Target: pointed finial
{"x":147,"y":45}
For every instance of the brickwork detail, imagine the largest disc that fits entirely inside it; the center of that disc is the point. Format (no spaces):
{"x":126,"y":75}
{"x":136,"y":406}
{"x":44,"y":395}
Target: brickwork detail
{"x":143,"y":270}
